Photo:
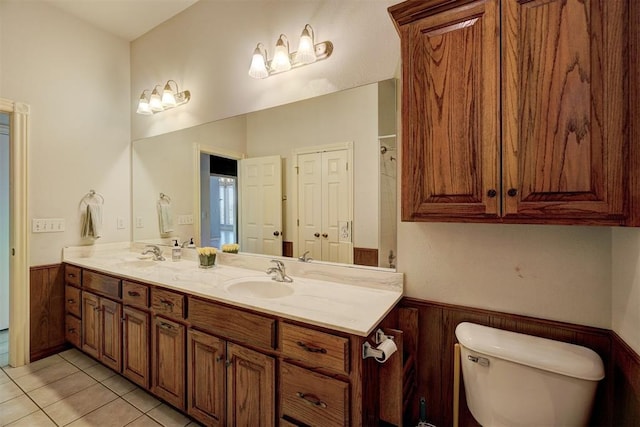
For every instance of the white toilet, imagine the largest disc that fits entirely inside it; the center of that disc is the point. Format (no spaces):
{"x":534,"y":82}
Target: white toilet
{"x":513,"y":380}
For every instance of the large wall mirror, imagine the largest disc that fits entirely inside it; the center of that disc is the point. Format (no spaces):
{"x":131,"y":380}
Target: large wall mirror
{"x":315,"y":176}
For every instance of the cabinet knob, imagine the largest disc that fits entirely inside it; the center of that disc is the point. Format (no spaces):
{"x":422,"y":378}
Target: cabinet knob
{"x":512,"y":192}
{"x":316,"y":234}
{"x":325,"y":235}
{"x":492,"y":193}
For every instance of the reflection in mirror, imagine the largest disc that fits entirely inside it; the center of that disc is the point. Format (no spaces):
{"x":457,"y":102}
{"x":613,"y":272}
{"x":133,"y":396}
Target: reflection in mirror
{"x":349,"y":136}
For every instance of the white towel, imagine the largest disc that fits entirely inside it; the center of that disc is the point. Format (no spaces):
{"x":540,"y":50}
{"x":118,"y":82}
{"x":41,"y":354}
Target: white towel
{"x":164,"y":218}
{"x":92,"y":222}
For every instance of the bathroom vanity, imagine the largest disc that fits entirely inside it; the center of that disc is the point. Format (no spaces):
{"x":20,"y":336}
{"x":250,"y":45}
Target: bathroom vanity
{"x":228,"y":345}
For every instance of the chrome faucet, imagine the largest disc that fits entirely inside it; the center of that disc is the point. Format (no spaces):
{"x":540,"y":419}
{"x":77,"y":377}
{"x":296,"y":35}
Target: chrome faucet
{"x":280,"y":273}
{"x":304,"y":257}
{"x":155,"y":250}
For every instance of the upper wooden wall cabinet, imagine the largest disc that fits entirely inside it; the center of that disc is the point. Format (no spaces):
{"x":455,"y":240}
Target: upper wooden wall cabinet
{"x":519,"y":111}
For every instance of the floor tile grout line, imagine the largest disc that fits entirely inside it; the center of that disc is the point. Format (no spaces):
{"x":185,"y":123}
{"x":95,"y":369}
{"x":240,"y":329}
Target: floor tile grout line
{"x":24,"y":393}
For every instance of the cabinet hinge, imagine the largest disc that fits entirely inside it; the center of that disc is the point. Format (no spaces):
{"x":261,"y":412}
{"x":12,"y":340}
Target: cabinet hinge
{"x":298,"y":222}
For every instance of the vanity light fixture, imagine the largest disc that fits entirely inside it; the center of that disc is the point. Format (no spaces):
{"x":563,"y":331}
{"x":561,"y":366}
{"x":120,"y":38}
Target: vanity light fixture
{"x":308,"y":53}
{"x":156,"y":103}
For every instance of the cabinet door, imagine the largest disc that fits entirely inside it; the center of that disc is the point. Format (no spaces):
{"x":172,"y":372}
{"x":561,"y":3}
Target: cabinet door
{"x":111,"y":333}
{"x":250,"y":388}
{"x":135,"y":350}
{"x":205,"y":378}
{"x":167,"y":362}
{"x":564,"y":110}
{"x":450,"y":114}
{"x":91,"y":324}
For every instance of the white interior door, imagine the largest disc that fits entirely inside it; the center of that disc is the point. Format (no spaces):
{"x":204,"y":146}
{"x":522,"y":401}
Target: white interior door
{"x":310,"y":204}
{"x":337,"y":244}
{"x":261,"y":198}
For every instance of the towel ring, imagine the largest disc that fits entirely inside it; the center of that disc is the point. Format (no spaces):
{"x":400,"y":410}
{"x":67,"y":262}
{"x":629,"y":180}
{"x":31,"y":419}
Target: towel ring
{"x":92,"y":196}
{"x":165,"y":198}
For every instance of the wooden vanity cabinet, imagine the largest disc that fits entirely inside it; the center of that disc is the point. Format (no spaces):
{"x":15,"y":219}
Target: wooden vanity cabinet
{"x":515,"y":111}
{"x":73,"y":305}
{"x":136,"y":333}
{"x":251,"y":387}
{"x":168,"y":340}
{"x":102,"y":330}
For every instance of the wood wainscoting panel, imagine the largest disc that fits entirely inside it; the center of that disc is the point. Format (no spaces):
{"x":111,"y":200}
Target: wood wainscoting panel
{"x":46,"y":305}
{"x":626,"y":383}
{"x":365,"y":256}
{"x":436,"y":338}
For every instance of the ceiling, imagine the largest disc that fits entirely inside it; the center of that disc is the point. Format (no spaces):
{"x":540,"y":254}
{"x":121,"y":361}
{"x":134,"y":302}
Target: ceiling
{"x":128,"y":19}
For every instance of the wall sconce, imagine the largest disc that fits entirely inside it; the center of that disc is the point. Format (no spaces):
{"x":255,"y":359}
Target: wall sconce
{"x":283,"y":60}
{"x":155,"y":103}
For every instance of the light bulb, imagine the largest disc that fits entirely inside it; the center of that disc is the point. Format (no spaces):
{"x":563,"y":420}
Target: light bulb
{"x":168,"y":98}
{"x":258,"y":69}
{"x":155,"y":103}
{"x":143,"y":105}
{"x":281,"y":61}
{"x":306,"y":53}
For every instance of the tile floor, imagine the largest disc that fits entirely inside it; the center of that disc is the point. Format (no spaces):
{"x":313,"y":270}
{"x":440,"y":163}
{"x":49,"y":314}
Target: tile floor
{"x":72,"y":389}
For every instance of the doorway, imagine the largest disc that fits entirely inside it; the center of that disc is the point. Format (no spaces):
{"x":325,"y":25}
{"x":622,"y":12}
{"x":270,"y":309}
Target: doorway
{"x":18,"y":249}
{"x":218,"y":200}
{"x":4,"y":239}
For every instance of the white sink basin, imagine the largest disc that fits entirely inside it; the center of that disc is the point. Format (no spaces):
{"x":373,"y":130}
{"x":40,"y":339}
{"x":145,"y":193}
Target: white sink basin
{"x":258,"y":287}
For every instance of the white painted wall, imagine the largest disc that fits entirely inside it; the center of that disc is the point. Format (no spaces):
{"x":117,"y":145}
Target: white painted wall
{"x":553,"y":272}
{"x":207,"y":49}
{"x":76,"y":80}
{"x":625,"y":272}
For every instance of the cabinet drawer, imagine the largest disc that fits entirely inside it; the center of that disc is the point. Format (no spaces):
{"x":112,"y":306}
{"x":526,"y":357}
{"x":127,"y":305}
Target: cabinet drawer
{"x":233,"y":324}
{"x":72,"y":274}
{"x":316,"y":348}
{"x":170,"y":304}
{"x":72,"y":330}
{"x":101,"y":284}
{"x":72,"y":300}
{"x":312,"y":398}
{"x":135,"y":294}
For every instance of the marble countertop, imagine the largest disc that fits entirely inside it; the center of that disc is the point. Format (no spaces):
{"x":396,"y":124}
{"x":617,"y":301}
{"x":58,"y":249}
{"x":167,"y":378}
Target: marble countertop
{"x":354,"y":306}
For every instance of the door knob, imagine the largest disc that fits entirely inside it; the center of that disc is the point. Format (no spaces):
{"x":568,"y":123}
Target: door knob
{"x":276,"y":233}
{"x":325,"y":235}
{"x":316,"y":234}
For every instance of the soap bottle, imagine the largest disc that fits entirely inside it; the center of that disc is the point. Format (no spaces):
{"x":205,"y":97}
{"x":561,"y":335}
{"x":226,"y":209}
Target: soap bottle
{"x":191,"y":244}
{"x":176,"y":252}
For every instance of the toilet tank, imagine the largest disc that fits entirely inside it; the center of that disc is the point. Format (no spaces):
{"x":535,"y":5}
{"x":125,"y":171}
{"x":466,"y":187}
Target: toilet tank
{"x":513,"y":379}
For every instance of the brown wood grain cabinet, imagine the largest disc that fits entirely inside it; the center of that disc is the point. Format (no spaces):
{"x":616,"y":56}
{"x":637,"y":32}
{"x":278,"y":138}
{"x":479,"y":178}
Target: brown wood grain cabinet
{"x":251,"y":387}
{"x":102,"y":329}
{"x":168,"y":361}
{"x":221,"y":364}
{"x":206,"y":365}
{"x":135,"y":346}
{"x":515,"y":111}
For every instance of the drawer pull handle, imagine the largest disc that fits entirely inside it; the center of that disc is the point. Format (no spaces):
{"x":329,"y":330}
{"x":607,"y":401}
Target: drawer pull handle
{"x":167,"y":304}
{"x":71,"y":275}
{"x":312,"y":400}
{"x":166,"y":326}
{"x":312,"y":349}
{"x":71,"y":330}
{"x":133,"y":294}
{"x":71,"y":301}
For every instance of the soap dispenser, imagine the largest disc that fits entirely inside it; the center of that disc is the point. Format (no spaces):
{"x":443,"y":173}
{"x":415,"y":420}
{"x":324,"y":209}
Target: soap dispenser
{"x":176,"y":252}
{"x":191,"y":244}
